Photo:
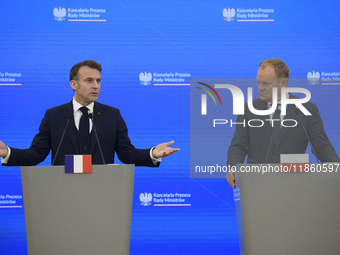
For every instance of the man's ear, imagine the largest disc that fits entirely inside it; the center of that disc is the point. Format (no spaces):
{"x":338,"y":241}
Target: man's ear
{"x":284,"y":82}
{"x":74,"y":85}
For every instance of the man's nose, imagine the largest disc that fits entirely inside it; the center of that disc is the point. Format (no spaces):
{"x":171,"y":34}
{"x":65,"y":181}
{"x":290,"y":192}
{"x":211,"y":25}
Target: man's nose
{"x":96,"y":84}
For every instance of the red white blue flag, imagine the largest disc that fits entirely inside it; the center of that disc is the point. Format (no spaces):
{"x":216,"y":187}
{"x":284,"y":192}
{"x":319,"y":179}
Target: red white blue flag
{"x":78,"y":164}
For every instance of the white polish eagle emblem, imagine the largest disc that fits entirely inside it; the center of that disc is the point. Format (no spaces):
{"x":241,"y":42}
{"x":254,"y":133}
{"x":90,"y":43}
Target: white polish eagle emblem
{"x":313,"y":77}
{"x":145,"y":198}
{"x":145,"y":78}
{"x":59,"y":13}
{"x":228,"y":14}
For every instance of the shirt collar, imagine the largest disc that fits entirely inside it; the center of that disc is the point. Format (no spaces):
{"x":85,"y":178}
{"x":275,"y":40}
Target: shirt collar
{"x":77,"y":106}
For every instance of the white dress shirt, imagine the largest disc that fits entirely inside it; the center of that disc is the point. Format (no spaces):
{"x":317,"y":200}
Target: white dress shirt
{"x":77,"y":115}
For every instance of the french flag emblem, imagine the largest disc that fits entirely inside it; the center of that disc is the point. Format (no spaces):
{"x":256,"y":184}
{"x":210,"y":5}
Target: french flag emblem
{"x":78,"y":164}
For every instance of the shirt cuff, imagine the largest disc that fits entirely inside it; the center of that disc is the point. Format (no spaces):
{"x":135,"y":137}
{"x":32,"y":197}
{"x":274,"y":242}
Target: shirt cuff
{"x":5,"y":159}
{"x":154,"y":160}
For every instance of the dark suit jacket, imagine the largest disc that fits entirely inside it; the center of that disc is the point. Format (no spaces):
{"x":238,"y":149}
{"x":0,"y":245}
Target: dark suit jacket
{"x":112,"y":134}
{"x":254,"y":141}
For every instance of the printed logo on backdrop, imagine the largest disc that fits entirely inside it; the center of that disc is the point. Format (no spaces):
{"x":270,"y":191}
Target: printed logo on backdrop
{"x":165,"y":79}
{"x":165,"y":199}
{"x":10,"y":201}
{"x":249,"y":14}
{"x":79,"y":14}
{"x":228,"y":14}
{"x":59,"y":13}
{"x":326,"y":78}
{"x":313,"y":77}
{"x":145,"y":198}
{"x":145,"y":78}
{"x":10,"y":79}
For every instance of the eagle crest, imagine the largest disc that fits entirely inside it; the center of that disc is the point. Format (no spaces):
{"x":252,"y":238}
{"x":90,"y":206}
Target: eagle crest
{"x":59,"y":13}
{"x":228,"y":14}
{"x":145,"y":78}
{"x":313,"y":77}
{"x":145,"y":198}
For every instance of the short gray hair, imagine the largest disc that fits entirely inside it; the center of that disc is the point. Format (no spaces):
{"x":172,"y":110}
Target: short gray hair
{"x":282,"y":70}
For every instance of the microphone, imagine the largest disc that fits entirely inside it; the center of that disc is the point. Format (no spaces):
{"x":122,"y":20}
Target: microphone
{"x":62,"y":138}
{"x":95,"y":132}
{"x":271,"y":139}
{"x":297,"y":111}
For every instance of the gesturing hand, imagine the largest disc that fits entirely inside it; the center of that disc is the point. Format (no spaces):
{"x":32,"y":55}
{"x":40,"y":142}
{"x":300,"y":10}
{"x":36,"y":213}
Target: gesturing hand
{"x":162,"y":150}
{"x":3,"y":150}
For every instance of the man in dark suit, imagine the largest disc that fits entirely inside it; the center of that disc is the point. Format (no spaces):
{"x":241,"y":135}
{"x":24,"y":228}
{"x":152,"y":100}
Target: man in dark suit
{"x":112,"y":132}
{"x":259,"y":143}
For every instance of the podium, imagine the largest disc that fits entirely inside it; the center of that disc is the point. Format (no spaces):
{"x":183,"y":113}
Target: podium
{"x":78,"y":213}
{"x":288,"y":212}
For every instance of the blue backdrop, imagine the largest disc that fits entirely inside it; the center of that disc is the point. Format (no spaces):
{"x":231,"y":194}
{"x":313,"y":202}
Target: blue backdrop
{"x":173,"y":41}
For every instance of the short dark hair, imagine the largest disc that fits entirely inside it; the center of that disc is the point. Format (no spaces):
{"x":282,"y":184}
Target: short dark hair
{"x":282,"y":70}
{"x":90,"y":63}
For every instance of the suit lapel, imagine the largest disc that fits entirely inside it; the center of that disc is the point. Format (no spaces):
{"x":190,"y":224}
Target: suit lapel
{"x":97,"y":120}
{"x":71,"y":129}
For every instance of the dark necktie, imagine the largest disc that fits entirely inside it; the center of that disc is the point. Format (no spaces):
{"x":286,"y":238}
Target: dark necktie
{"x":84,"y":125}
{"x":277,"y":125}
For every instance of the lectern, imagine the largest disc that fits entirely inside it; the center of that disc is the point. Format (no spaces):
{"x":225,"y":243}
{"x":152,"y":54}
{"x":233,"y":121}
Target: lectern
{"x":288,"y":212}
{"x":78,"y":213}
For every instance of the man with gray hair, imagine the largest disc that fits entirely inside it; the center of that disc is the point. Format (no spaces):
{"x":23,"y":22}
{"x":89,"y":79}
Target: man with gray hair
{"x":265,"y":144}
